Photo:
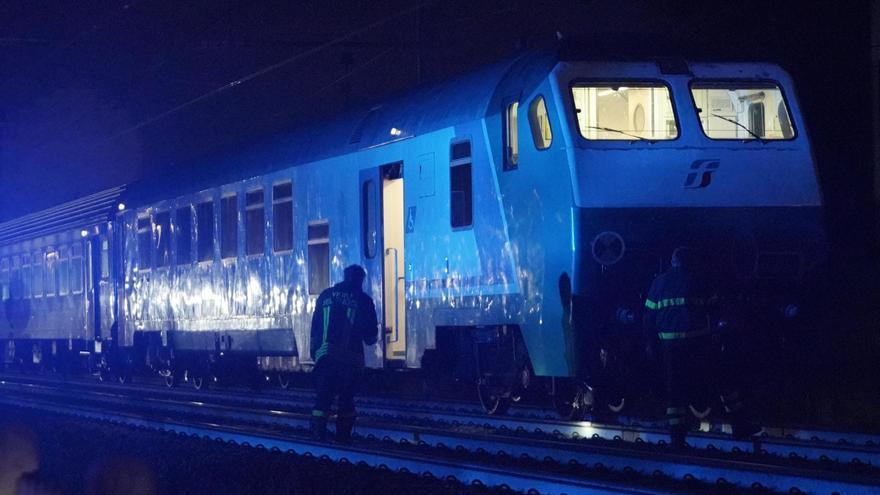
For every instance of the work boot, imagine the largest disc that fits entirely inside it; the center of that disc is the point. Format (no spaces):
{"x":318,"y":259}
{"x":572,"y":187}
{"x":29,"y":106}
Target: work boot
{"x":743,"y":429}
{"x":677,"y":436}
{"x":344,"y":426}
{"x":318,"y":428}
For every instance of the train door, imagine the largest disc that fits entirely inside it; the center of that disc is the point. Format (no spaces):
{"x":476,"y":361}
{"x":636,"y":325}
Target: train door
{"x":372,"y":250}
{"x":395,"y":282}
{"x":97,"y":250}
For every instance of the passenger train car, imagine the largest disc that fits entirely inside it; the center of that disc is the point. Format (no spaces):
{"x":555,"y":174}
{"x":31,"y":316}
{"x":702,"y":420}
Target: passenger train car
{"x":510,"y":221}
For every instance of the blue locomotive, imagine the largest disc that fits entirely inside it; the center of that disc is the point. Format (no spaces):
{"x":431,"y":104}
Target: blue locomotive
{"x":510,"y":221}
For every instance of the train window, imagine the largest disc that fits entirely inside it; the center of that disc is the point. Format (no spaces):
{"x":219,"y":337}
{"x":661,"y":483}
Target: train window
{"x":25,"y":276}
{"x":162,"y":221}
{"x":37,"y":275}
{"x":255,"y":223}
{"x":4,"y":279}
{"x":144,"y":240}
{"x":183,"y":234}
{"x":205,"y":232}
{"x":756,"y":118}
{"x":50,"y":281}
{"x":76,"y":269}
{"x":229,"y":226}
{"x":511,"y":136}
{"x":736,"y":110}
{"x":629,"y":111}
{"x":282,"y":216}
{"x":319,"y":256}
{"x":539,"y":122}
{"x":63,"y":271}
{"x":461,"y":189}
{"x":369,"y":232}
{"x":105,"y":259}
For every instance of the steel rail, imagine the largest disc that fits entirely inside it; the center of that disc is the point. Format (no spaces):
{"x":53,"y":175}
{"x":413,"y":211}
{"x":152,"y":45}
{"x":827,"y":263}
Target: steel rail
{"x":675,"y":465}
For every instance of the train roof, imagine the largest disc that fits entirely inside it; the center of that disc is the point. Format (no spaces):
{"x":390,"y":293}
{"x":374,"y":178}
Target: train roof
{"x":419,"y":111}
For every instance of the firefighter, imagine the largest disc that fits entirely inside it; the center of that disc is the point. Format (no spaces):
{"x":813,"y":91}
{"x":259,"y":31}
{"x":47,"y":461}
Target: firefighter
{"x":344,"y":320}
{"x":678,"y":310}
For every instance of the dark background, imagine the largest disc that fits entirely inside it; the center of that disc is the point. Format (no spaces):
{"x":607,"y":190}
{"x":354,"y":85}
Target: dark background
{"x":103,"y":92}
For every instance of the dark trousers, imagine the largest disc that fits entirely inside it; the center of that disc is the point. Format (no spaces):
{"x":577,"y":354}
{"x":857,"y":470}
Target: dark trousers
{"x":335,"y":378}
{"x":688,"y":377}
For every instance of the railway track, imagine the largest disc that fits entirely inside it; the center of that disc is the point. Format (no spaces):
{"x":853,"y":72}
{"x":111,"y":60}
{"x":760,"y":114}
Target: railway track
{"x":559,"y":448}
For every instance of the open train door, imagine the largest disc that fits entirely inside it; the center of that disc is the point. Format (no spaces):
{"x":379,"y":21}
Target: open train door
{"x":372,"y":251}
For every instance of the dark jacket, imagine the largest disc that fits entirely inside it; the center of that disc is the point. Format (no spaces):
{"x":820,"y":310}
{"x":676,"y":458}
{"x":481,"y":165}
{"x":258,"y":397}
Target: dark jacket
{"x":678,"y":306}
{"x":344,"y":320}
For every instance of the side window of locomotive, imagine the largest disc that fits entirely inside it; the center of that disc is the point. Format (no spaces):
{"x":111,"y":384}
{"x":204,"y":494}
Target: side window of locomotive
{"x":63,"y":271}
{"x":511,"y":137}
{"x":144,"y":241}
{"x":205,"y":219}
{"x":630,"y":111}
{"x":319,"y":256}
{"x":255,"y":223}
{"x":163,"y":238}
{"x":183,"y":234}
{"x":37,"y":274}
{"x":229,"y":227}
{"x":282,"y":216}
{"x":369,"y":232}
{"x":461,"y":189}
{"x":539,"y":122}
{"x":76,"y":269}
{"x":737,"y":110}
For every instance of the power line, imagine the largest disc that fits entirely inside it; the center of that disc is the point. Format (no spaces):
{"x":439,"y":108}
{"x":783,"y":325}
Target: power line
{"x":265,"y":70}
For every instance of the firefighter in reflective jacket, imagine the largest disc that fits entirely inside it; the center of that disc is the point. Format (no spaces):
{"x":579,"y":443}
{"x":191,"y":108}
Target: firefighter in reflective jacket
{"x":678,"y":310}
{"x":344,"y":320}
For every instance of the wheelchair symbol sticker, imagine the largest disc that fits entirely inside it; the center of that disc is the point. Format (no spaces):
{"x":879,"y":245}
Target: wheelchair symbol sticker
{"x":608,"y":248}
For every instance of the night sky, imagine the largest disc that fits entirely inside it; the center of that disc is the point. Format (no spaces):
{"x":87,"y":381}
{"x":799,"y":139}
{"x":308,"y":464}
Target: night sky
{"x":100,"y":93}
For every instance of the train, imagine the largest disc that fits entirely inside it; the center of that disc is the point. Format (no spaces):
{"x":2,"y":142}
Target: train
{"x":510,"y":221}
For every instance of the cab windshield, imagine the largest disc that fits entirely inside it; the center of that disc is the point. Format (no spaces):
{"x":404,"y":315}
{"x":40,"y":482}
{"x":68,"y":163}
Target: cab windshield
{"x":742,"y":111}
{"x":630,"y":111}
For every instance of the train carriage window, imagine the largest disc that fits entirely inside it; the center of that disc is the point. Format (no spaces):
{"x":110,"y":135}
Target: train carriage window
{"x":105,"y":259}
{"x":25,"y":276}
{"x":63,"y":271}
{"x":539,"y":122}
{"x":183,"y":234}
{"x":15,"y":279}
{"x":736,"y":110}
{"x":37,"y":274}
{"x":255,"y":223}
{"x":461,"y":189}
{"x":511,"y":136}
{"x":50,"y":281}
{"x":205,"y":232}
{"x":319,"y":256}
{"x":282,"y":216}
{"x":4,"y":279}
{"x":162,"y":222}
{"x":76,"y":269}
{"x":229,"y":226}
{"x":630,"y":111}
{"x":369,"y":232}
{"x":144,"y":240}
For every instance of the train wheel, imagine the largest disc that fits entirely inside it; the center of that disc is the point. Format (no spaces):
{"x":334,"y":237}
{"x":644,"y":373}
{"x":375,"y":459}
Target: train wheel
{"x":572,"y":399}
{"x":168,"y":376}
{"x":525,"y":378}
{"x":494,"y":399}
{"x":283,"y":380}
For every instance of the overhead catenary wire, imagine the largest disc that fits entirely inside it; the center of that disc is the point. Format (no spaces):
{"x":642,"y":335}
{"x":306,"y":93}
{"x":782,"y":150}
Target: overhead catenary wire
{"x":265,"y":70}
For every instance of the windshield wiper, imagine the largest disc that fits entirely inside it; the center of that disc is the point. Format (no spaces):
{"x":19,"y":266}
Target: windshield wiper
{"x":608,"y":129}
{"x":736,"y":123}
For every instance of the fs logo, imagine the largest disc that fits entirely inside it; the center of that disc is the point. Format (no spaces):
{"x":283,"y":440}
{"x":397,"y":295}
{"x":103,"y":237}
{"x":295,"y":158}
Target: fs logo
{"x":708,"y":167}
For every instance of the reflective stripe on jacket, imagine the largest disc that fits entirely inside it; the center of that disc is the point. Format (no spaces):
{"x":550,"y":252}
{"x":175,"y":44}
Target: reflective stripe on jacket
{"x":677,"y":307}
